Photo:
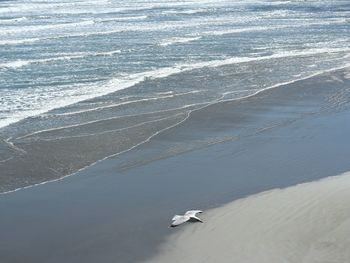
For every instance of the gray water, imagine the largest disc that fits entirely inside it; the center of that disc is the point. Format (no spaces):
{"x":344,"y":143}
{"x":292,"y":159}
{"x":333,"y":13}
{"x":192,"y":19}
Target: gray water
{"x":65,"y":66}
{"x":54,"y":53}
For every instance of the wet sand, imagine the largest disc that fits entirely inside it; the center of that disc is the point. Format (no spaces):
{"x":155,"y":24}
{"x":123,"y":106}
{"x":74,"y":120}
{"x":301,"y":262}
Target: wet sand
{"x":119,"y":210}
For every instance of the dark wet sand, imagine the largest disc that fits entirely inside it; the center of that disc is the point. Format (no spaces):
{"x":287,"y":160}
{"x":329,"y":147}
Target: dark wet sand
{"x":119,"y":209}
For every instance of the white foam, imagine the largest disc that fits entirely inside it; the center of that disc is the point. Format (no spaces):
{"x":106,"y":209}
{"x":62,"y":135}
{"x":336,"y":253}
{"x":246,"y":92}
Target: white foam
{"x":10,"y":20}
{"x":93,"y":30}
{"x":147,"y":27}
{"x":68,"y":56}
{"x":177,"y":40}
{"x":185,"y":12}
{"x":18,"y":41}
{"x":277,"y":14}
{"x":122,"y":18}
{"x":266,"y":28}
{"x":108,"y":53}
{"x":84,"y":92}
{"x":49,"y":7}
{"x":21,"y":29}
{"x":165,"y":95}
{"x":240,"y":30}
{"x":14,"y":64}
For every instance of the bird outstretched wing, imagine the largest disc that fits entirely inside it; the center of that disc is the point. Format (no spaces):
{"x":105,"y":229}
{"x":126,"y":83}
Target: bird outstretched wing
{"x":193,"y":212}
{"x":178,"y":220}
{"x":176,"y":217}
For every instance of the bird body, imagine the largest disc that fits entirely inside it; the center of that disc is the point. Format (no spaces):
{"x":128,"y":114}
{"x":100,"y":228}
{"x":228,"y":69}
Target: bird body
{"x":190,"y":215}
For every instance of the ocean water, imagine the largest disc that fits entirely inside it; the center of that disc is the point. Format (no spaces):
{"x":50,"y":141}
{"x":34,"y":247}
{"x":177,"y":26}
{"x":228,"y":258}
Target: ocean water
{"x":97,"y":78}
{"x":58,"y":53}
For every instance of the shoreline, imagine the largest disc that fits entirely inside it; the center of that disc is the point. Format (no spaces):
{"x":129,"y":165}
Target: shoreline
{"x":188,"y":115}
{"x":173,"y":70}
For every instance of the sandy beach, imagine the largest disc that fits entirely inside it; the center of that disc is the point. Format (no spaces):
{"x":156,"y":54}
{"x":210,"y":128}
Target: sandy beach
{"x":304,"y":223}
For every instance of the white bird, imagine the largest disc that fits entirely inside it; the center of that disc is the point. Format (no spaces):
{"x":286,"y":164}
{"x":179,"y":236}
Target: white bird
{"x":188,"y":216}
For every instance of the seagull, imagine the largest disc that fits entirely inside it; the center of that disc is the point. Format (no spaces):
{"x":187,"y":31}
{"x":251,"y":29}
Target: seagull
{"x":188,"y":216}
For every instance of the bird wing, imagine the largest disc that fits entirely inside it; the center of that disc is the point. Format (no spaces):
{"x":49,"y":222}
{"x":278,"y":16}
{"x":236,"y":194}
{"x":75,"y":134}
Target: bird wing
{"x":176,"y":217}
{"x":193,"y":212}
{"x":179,"y":220}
